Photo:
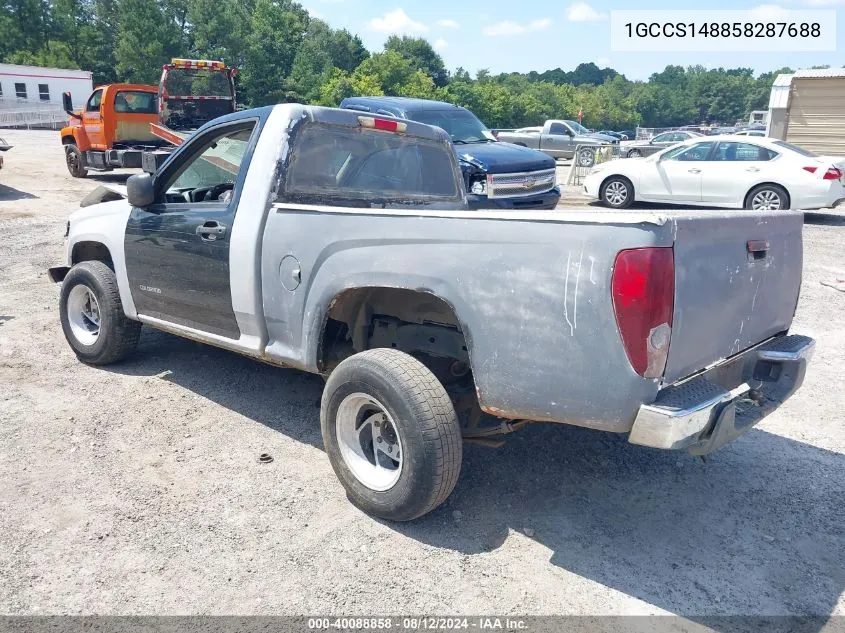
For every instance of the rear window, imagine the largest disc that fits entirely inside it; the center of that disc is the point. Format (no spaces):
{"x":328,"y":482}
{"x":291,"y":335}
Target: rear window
{"x":136,"y":102}
{"x":360,"y":167}
{"x":189,"y":82}
{"x":797,"y":149}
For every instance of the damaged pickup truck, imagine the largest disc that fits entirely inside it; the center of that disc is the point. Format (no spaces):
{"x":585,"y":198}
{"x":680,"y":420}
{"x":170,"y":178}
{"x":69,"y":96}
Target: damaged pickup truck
{"x":340,"y":244}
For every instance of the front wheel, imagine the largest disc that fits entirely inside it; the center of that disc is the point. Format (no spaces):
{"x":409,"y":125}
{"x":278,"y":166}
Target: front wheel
{"x":75,"y":162}
{"x":92,"y":315}
{"x":617,"y":192}
{"x":391,"y":434}
{"x":767,"y":198}
{"x":634,"y":153}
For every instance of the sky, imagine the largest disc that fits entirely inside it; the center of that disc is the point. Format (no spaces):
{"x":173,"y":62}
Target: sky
{"x":506,"y":35}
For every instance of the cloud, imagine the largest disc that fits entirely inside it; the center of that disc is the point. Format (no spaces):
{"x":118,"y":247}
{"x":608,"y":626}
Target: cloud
{"x":768,"y":12}
{"x":448,"y":24}
{"x":313,"y":13}
{"x":509,"y":27}
{"x":583,"y":12}
{"x":440,"y":44}
{"x":397,"y":21}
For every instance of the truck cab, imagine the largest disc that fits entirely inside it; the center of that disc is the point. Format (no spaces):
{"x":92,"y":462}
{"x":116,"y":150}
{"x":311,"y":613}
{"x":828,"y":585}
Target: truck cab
{"x":496,"y":175}
{"x":112,"y":129}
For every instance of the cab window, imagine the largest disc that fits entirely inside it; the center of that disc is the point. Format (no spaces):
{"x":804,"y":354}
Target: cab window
{"x":209,"y":176}
{"x":557,"y":128}
{"x":136,"y":102}
{"x":93,"y":104}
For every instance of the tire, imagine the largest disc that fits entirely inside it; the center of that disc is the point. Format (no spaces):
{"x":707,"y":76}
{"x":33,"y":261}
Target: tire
{"x":634,"y":153}
{"x":586,"y":157}
{"x":75,"y":162}
{"x":617,"y":192}
{"x":767,"y":198}
{"x":385,"y":398}
{"x":99,"y":333}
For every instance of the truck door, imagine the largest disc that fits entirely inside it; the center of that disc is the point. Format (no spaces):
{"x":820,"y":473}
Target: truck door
{"x":92,"y":120}
{"x":557,"y":142}
{"x":177,"y":249}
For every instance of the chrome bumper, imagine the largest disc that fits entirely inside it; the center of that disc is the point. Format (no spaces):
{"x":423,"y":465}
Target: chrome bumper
{"x":720,"y":404}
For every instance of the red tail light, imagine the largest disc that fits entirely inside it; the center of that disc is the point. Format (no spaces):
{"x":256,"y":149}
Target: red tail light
{"x":643,"y":289}
{"x":832,"y":173}
{"x":386,"y":125}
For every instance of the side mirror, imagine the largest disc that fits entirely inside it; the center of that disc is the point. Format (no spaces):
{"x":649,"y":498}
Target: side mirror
{"x":67,"y":104}
{"x":140,"y":191}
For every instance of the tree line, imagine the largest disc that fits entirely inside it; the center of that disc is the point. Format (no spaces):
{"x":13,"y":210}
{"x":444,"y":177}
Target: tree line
{"x":283,"y":54}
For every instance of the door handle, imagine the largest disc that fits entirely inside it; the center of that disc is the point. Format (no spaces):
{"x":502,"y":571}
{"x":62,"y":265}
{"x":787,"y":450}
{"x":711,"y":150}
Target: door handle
{"x":694,"y":171}
{"x":753,"y":169}
{"x":211,"y":230}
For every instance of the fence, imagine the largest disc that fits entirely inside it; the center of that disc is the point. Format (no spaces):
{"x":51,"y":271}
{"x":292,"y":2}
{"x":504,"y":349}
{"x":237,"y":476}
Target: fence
{"x":18,"y":113}
{"x":585,"y":157}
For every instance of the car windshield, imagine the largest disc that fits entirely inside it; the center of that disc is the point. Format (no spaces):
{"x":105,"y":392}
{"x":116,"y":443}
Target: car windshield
{"x":795,"y":148}
{"x":577,"y":127}
{"x":461,"y":125}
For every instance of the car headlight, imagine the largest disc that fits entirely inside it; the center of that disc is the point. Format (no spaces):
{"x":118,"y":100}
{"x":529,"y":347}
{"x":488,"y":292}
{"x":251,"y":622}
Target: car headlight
{"x":479,"y":187}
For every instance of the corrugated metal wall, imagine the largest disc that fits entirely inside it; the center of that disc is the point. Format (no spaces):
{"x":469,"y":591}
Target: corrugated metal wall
{"x":817,"y":115}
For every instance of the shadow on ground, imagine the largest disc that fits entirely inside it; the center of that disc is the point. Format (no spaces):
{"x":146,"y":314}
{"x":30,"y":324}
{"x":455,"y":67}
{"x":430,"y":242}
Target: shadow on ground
{"x":10,"y":194}
{"x":758,"y":529}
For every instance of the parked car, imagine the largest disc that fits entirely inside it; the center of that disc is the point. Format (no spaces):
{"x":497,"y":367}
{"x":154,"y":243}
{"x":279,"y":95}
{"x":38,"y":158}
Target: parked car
{"x":559,"y":139}
{"x":340,"y":243}
{"x":725,"y":171}
{"x":627,"y":135}
{"x":751,"y":133}
{"x":634,"y":149}
{"x":496,"y":175}
{"x":611,"y":133}
{"x":721,"y":131}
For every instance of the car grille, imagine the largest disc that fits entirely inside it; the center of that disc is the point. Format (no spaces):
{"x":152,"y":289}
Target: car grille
{"x":519,"y":185}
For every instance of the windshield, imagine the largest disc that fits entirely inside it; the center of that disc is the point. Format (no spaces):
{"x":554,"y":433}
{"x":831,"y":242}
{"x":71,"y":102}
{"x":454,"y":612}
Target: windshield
{"x":577,"y":127}
{"x":795,"y":148}
{"x":461,"y":125}
{"x":187,"y":82}
{"x":136,"y":102}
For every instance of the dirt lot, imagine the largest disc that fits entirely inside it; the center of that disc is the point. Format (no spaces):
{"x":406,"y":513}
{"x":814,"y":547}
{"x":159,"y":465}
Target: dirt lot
{"x":135,"y":489}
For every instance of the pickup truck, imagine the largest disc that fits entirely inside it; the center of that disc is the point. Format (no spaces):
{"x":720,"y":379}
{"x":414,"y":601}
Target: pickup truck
{"x":559,"y":139}
{"x":340,"y":243}
{"x":496,"y":175}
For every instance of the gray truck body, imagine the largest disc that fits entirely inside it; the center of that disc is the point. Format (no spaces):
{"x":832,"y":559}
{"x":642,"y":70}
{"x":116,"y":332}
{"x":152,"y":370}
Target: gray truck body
{"x":557,"y":138}
{"x":524,"y":298}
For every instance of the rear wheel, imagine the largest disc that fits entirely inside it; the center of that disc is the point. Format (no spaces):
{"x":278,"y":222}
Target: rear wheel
{"x":391,"y":434}
{"x":634,"y":153}
{"x":767,"y":198}
{"x":75,"y":161}
{"x":586,"y":157}
{"x":617,"y":192}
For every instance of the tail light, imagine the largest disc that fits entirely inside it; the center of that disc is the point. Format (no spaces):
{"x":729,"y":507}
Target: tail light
{"x":386,"y":125}
{"x":643,"y":289}
{"x":832,"y":173}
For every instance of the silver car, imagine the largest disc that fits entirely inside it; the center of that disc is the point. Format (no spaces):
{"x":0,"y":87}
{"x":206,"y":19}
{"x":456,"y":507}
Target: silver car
{"x":656,"y":143}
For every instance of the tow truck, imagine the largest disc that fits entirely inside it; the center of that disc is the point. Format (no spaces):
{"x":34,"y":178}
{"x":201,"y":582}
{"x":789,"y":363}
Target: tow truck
{"x":136,"y":125}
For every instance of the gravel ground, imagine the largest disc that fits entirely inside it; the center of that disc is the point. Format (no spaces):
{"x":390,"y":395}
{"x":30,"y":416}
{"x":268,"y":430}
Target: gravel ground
{"x":135,"y":489}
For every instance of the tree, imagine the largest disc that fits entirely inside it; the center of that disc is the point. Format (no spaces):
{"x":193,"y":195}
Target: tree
{"x":147,"y":38}
{"x":420,"y":55}
{"x":218,"y":29}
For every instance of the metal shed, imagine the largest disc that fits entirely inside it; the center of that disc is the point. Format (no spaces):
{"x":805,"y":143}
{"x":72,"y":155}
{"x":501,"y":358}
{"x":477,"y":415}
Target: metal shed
{"x":808,"y":109}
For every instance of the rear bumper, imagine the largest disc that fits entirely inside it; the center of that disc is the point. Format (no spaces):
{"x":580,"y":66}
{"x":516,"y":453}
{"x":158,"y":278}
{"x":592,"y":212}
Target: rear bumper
{"x":546,"y":200}
{"x":719,"y":405}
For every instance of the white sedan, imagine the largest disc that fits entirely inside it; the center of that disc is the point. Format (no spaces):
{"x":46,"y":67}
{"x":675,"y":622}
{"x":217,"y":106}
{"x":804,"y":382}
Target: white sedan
{"x":739,"y":172}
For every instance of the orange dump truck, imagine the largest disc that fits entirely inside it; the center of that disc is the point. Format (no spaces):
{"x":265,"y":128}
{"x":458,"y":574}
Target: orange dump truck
{"x":133,"y":125}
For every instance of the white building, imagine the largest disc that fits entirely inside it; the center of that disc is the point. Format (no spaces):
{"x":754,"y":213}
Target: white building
{"x":21,"y":87}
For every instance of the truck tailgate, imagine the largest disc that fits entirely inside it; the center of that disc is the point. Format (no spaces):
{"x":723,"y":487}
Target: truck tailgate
{"x":728,"y":298}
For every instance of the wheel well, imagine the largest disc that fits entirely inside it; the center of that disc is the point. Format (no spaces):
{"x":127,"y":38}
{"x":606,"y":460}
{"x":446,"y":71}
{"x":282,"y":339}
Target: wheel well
{"x":769,"y":184}
{"x":413,"y":321}
{"x":91,"y":251}
{"x":620,"y":177}
{"x":68,"y":140}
